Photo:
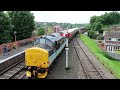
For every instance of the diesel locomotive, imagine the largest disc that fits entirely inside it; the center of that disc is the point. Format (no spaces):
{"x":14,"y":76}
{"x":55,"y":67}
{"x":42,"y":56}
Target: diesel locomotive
{"x":44,"y":51}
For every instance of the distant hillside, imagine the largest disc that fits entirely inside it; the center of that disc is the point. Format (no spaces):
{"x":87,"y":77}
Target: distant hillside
{"x":63,"y":25}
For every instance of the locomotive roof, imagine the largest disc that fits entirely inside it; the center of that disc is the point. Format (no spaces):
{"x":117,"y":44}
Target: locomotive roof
{"x":53,"y":37}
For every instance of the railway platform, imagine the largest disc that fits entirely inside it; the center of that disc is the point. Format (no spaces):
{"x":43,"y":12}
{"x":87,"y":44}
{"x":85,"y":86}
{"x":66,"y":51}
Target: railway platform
{"x":14,"y":51}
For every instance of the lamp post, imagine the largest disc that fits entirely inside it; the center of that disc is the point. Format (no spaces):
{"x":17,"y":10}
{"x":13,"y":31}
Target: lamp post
{"x":15,"y":37}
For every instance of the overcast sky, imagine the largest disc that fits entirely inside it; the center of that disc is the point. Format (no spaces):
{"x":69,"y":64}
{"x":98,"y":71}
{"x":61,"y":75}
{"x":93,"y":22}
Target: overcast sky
{"x":66,"y":16}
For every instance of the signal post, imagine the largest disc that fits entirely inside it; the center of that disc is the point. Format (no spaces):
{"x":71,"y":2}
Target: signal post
{"x":67,"y":49}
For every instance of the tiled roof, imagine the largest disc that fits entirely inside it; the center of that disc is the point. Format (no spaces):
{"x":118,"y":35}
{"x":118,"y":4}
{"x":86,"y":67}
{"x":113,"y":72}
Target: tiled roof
{"x":113,"y":34}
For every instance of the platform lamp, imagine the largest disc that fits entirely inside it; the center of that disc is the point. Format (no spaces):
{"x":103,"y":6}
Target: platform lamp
{"x":15,"y":38}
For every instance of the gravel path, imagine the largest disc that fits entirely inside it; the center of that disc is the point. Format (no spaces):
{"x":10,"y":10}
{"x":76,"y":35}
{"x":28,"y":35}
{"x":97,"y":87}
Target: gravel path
{"x":58,"y":71}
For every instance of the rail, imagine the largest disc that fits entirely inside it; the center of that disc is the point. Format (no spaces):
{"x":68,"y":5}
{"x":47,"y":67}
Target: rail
{"x":11,"y":60}
{"x":11,"y":66}
{"x":82,"y":63}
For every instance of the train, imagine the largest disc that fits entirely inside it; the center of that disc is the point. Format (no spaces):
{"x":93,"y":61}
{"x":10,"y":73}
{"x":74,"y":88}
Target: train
{"x":44,"y":51}
{"x":69,"y":33}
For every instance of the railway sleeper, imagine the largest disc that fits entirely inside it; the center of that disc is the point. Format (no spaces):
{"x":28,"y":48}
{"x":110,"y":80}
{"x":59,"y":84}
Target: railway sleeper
{"x":8,"y":75}
{"x":93,"y":71}
{"x":12,"y":71}
{"x":20,"y":66}
{"x":16,"y":69}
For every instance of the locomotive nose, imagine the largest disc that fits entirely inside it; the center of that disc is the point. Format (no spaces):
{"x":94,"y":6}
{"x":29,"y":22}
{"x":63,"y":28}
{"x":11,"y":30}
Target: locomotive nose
{"x":36,"y":57}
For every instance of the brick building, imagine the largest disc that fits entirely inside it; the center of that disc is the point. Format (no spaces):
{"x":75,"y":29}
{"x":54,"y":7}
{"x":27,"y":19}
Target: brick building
{"x":57,"y":29}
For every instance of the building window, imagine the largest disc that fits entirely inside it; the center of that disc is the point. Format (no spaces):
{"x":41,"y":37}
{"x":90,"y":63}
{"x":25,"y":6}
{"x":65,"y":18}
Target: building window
{"x":119,"y":39}
{"x":117,"y":47}
{"x":109,"y":38}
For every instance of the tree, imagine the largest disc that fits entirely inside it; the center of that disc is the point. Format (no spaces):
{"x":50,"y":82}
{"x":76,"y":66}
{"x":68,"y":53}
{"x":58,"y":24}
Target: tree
{"x":40,"y":31}
{"x":23,"y":22}
{"x":92,"y":34}
{"x":5,"y":28}
{"x":98,"y":26}
{"x":93,"y":19}
{"x":100,"y":30}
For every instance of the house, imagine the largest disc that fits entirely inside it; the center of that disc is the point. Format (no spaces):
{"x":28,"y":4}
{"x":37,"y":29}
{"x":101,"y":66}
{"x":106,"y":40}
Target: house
{"x":112,"y":41}
{"x":115,"y":28}
{"x":57,"y":29}
{"x":104,"y":32}
{"x":85,"y":33}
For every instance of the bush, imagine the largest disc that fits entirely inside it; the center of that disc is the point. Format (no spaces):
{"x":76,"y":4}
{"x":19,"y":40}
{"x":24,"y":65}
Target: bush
{"x":40,"y":31}
{"x":92,"y":34}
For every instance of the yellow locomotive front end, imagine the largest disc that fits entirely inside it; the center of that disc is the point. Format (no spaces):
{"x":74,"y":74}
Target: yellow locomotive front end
{"x":36,"y":60}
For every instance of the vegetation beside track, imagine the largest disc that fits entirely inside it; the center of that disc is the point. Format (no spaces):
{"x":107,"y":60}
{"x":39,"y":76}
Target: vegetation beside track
{"x":112,"y":64}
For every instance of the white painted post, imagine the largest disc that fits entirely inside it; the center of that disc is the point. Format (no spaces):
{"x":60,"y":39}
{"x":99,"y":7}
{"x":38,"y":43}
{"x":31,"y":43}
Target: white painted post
{"x":67,"y":53}
{"x":67,"y":42}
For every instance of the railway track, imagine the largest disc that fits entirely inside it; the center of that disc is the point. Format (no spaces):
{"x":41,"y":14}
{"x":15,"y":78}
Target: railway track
{"x":88,"y":67}
{"x":16,"y":71}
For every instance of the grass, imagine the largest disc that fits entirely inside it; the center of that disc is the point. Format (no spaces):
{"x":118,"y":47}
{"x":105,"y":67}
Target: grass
{"x":112,"y":64}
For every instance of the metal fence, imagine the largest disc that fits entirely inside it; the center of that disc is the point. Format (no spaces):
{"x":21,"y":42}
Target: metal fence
{"x":114,"y":55}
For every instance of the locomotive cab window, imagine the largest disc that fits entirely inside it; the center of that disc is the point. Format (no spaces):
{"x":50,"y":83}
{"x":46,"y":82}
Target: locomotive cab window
{"x":37,"y":42}
{"x":42,"y":41}
{"x":49,"y":43}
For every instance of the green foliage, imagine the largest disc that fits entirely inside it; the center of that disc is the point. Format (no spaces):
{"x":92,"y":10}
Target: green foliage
{"x":92,"y":34}
{"x":107,"y":18}
{"x":100,"y":30}
{"x":93,"y":19}
{"x":40,"y":31}
{"x":112,"y":64}
{"x":100,"y":23}
{"x":63,"y":25}
{"x":49,"y":31}
{"x":97,"y":26}
{"x":23,"y":22}
{"x":88,"y":27}
{"x":5,"y":28}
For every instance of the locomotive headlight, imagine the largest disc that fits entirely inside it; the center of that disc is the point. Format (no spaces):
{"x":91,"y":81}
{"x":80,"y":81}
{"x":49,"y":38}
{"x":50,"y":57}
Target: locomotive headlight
{"x":28,"y":73}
